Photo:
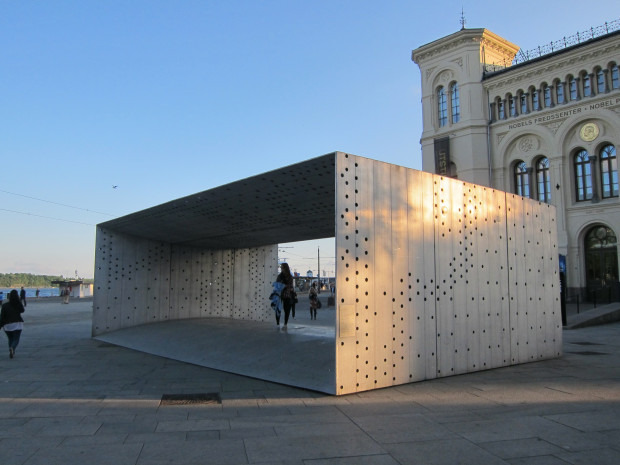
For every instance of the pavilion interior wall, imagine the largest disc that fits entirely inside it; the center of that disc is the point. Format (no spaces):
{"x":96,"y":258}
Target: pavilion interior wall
{"x":437,"y":277}
{"x":139,"y":281}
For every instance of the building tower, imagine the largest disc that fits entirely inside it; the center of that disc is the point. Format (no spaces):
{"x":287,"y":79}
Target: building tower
{"x":454,"y":102}
{"x":543,"y":125}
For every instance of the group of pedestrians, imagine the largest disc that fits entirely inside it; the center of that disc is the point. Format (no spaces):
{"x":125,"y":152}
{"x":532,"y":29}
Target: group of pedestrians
{"x":284,"y":297}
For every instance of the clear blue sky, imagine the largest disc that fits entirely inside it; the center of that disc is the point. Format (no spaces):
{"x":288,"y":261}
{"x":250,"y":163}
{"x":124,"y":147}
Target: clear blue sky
{"x":168,"y":98}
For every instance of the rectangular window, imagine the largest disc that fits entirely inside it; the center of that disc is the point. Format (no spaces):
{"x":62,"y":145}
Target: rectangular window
{"x":587,"y":89}
{"x":614,"y":78}
{"x":442,"y":107}
{"x":584,"y":181}
{"x":560,"y":92}
{"x":455,"y":102}
{"x":600,"y":81}
{"x":572,"y":87}
{"x":610,"y":180}
{"x":547,"y":96}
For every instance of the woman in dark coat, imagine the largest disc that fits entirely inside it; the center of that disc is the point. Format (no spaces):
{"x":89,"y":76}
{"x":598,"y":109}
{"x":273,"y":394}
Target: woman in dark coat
{"x":11,"y":320}
{"x":285,"y":277}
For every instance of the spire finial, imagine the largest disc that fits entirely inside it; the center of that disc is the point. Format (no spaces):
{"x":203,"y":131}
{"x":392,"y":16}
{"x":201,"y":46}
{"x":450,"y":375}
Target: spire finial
{"x":462,"y":19}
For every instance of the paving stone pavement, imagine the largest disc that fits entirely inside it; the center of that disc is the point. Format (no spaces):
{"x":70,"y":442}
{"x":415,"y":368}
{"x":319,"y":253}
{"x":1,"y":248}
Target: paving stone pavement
{"x":69,"y":399}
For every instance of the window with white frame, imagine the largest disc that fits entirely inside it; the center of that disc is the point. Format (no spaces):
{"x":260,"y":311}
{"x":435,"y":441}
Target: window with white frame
{"x":572,"y":88}
{"x":583,"y":176}
{"x":559,"y":92}
{"x":522,"y":179}
{"x":455,"y":103}
{"x":587,"y":85}
{"x":547,"y":96}
{"x":609,"y":172}
{"x":543,"y":182}
{"x":600,"y":81}
{"x":442,"y":107}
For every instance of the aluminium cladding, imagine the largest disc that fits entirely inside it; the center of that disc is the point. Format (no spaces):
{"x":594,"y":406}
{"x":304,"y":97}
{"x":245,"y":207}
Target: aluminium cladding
{"x":294,"y":203}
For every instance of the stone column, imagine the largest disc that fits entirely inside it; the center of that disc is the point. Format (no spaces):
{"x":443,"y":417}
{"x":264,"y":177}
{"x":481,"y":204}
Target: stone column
{"x":593,"y":84}
{"x":578,"y":87}
{"x":551,"y":95}
{"x":526,"y":96}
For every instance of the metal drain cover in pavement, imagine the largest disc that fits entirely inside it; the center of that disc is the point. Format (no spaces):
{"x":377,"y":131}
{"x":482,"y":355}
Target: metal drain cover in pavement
{"x":186,"y":399}
{"x":588,"y":352}
{"x":587,"y":343}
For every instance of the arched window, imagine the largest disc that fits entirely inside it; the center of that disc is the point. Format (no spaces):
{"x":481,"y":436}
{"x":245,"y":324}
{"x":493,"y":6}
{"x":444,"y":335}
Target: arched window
{"x":587,"y":85}
{"x":600,"y":81}
{"x":601,"y":256}
{"x":543,"y":181}
{"x":442,"y":107}
{"x":523,"y":99}
{"x":572,"y":88}
{"x":559,"y":92}
{"x":455,"y":102}
{"x":522,"y":179}
{"x":535,"y":102}
{"x":583,"y":176}
{"x":609,"y":171}
{"x":615,"y":82}
{"x":547,"y":96}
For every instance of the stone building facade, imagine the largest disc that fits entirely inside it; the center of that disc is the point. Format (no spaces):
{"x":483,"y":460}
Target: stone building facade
{"x":546,"y":128}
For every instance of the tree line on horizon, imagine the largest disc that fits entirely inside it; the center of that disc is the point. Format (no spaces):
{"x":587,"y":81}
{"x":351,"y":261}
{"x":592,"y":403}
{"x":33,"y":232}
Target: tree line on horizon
{"x":31,"y":280}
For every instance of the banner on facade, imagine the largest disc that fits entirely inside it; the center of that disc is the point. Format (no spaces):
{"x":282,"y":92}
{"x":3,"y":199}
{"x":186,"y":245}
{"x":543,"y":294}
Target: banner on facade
{"x":442,"y":156}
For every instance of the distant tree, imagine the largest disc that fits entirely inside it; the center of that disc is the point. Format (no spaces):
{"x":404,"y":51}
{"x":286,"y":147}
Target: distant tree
{"x":16,"y":280}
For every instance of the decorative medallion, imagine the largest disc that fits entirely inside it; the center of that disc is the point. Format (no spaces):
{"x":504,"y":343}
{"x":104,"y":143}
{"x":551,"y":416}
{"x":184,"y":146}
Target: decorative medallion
{"x":589,"y":132}
{"x":526,"y":144}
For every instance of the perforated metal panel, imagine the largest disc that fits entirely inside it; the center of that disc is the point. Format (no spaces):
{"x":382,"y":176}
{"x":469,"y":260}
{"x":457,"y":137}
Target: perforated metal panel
{"x":139,"y":282}
{"x":444,"y":276}
{"x":434,"y":276}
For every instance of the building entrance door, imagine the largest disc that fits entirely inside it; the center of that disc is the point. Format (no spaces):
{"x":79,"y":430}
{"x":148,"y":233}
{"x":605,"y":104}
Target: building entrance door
{"x":601,"y":264}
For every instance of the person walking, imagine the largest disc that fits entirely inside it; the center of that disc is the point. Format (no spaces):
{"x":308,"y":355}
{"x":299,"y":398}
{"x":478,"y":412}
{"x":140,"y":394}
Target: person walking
{"x":314,"y":300}
{"x":11,"y":320}
{"x":286,"y":278}
{"x":22,"y":296}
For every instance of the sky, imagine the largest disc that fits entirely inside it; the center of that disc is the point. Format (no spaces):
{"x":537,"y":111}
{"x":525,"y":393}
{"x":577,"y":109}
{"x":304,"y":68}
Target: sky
{"x":110,"y":107}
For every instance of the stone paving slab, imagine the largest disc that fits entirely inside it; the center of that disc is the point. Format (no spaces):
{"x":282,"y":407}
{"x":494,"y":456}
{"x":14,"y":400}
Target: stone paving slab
{"x":68,"y":399}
